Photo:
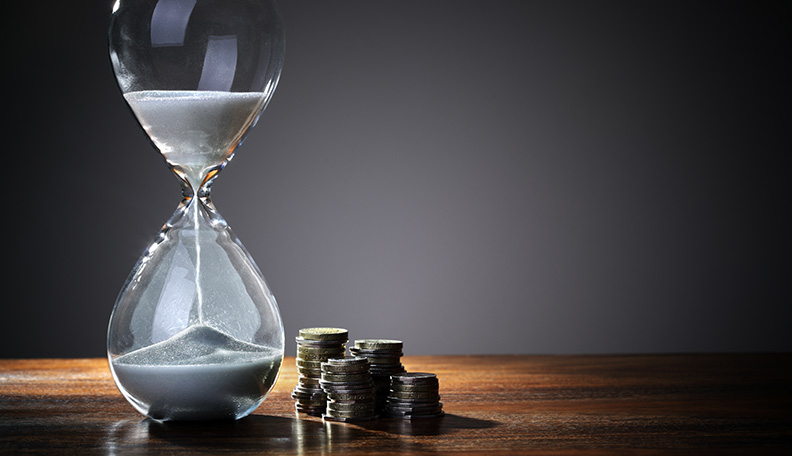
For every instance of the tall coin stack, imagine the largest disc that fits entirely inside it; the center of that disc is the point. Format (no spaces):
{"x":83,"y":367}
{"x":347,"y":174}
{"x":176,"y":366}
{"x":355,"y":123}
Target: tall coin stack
{"x":315,"y":346}
{"x":384,"y":356}
{"x":349,"y":389}
{"x":414,"y":395}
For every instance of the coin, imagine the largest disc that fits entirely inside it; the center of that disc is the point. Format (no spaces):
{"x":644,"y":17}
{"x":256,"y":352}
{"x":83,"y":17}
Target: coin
{"x":332,"y":334}
{"x":359,"y":377}
{"x":387,"y":344}
{"x":377,"y":360}
{"x":298,"y":394}
{"x":319,"y":343}
{"x":413,"y":394}
{"x":349,"y":413}
{"x":422,"y":401}
{"x":345,"y":368}
{"x":353,"y":396}
{"x":309,"y":363}
{"x":405,"y":387}
{"x":310,"y":411}
{"x":352,"y":360}
{"x":376,"y":352}
{"x":345,"y":386}
{"x":414,"y":377}
{"x":308,"y":380}
{"x":307,"y":355}
{"x":424,"y":386}
{"x":351,"y":406}
{"x":384,"y":374}
{"x":321,"y":347}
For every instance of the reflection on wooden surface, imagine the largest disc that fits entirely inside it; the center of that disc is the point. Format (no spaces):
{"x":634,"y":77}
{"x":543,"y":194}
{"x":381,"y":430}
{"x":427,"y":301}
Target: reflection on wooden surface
{"x":685,"y":404}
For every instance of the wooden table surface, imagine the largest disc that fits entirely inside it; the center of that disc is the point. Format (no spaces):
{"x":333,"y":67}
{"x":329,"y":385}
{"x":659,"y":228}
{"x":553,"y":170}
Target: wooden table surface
{"x":496,"y":405}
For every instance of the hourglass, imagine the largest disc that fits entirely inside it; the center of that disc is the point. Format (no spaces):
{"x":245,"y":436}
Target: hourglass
{"x":196,"y":332}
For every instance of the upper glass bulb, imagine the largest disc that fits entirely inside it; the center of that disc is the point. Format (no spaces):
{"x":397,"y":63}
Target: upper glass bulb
{"x":197,"y":74}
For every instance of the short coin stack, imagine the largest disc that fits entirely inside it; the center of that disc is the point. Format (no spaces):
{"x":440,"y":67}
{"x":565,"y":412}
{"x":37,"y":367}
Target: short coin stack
{"x":349,"y":389}
{"x":384,"y":357}
{"x":414,"y":395}
{"x":315,"y":346}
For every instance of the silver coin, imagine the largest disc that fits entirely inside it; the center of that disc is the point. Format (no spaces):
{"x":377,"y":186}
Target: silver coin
{"x":349,"y":414}
{"x":308,"y":380}
{"x":350,"y":407}
{"x":311,"y":412}
{"x":357,"y":396}
{"x":309,"y":408}
{"x":400,"y":383}
{"x":309,"y":396}
{"x":414,"y":377}
{"x":311,"y":373}
{"x":414,"y":387}
{"x":324,"y":334}
{"x":377,"y":360}
{"x":382,"y":376}
{"x":413,"y":394}
{"x":309,"y":389}
{"x":322,"y":357}
{"x":417,"y":409}
{"x":346,"y":378}
{"x":354,"y":360}
{"x":402,"y":404}
{"x":316,"y":343}
{"x":313,"y":364}
{"x":397,"y":386}
{"x":358,"y":392}
{"x":317,"y":347}
{"x":374,"y":352}
{"x":331,"y":368}
{"x":379,"y":344}
{"x":341,"y":387}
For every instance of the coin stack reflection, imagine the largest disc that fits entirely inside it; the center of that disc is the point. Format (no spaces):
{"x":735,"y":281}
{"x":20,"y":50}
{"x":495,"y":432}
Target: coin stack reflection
{"x":384,"y":357}
{"x":315,"y":346}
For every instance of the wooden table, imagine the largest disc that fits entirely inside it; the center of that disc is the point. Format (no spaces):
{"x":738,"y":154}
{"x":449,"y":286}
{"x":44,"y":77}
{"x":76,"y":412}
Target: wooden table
{"x":495,"y":405}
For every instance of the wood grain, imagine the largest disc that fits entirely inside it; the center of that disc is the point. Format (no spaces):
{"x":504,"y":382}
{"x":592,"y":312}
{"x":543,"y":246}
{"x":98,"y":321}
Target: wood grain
{"x":495,"y":405}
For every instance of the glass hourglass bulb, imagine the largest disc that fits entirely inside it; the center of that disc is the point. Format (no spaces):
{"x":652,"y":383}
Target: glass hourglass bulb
{"x":196,"y":332}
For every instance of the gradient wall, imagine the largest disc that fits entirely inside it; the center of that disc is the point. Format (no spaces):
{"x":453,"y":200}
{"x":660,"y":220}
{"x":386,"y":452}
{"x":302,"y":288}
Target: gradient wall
{"x":468,"y":176}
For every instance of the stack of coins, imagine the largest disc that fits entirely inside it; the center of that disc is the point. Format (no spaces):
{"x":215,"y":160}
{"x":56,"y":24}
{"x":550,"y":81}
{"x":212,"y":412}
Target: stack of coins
{"x":315,"y":346}
{"x":384,"y":357}
{"x":349,"y":389}
{"x":414,"y":395}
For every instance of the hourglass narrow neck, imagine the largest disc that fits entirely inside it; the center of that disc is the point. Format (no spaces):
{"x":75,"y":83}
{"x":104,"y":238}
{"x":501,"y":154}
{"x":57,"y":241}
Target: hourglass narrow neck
{"x":194,"y":184}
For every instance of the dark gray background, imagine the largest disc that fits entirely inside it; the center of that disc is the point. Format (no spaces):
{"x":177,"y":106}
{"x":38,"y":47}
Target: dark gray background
{"x":468,"y":176}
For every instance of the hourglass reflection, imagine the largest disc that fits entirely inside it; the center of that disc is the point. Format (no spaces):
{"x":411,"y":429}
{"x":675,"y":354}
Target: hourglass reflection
{"x":196,"y":332}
